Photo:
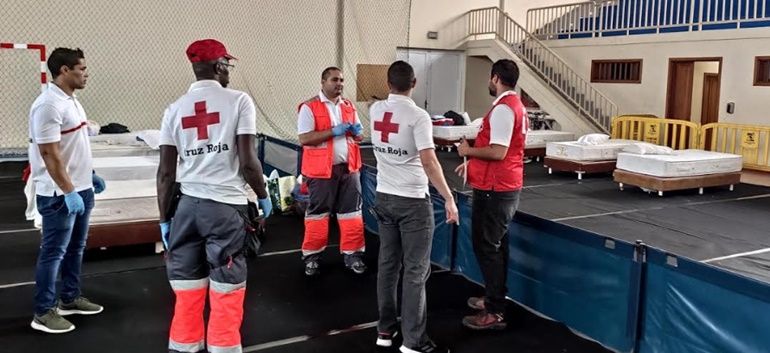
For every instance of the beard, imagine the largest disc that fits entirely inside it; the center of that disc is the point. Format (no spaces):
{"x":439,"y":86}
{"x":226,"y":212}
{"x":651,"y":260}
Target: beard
{"x":493,"y":91}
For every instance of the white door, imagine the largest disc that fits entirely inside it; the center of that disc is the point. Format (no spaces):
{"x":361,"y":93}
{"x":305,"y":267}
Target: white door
{"x":440,"y":78}
{"x":446,"y":81}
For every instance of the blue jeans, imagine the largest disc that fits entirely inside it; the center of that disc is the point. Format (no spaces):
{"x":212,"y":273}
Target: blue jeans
{"x":62,"y":245}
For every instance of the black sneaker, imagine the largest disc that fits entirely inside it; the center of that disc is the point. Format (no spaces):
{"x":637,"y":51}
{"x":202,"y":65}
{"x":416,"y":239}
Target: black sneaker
{"x":312,"y":268}
{"x":385,"y":339}
{"x":427,"y":347}
{"x":355,"y":264}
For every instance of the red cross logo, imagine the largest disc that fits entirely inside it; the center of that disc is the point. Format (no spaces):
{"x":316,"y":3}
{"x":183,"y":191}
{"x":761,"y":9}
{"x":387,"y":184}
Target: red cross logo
{"x":201,"y":120}
{"x":385,"y":127}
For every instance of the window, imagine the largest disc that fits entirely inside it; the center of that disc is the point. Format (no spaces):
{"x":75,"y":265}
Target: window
{"x":762,"y":71}
{"x":616,"y":71}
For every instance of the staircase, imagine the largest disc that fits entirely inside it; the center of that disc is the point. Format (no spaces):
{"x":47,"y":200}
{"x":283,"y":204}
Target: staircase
{"x":577,"y":92}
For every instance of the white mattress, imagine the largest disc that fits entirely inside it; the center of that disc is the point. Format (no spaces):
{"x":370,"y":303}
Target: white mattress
{"x":539,"y":138}
{"x":124,"y":210}
{"x":120,"y":145}
{"x":126,"y":168}
{"x":126,"y":189}
{"x":454,"y":133}
{"x":573,"y":150}
{"x":681,"y":163}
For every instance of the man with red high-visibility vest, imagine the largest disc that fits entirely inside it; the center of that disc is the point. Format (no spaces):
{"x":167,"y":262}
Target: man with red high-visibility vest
{"x":329,"y":132}
{"x":495,"y":170}
{"x":208,"y":146}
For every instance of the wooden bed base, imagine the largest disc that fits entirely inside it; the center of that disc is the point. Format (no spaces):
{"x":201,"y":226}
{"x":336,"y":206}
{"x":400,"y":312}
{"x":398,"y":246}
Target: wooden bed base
{"x":659,"y":184}
{"x":579,"y":167}
{"x":538,"y":153}
{"x":124,"y":233}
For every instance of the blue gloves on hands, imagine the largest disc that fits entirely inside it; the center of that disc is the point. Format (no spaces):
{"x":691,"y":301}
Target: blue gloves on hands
{"x":356,"y":129}
{"x":98,"y":182}
{"x":74,"y":203}
{"x":340,"y":129}
{"x":266,"y":205}
{"x":165,"y":229}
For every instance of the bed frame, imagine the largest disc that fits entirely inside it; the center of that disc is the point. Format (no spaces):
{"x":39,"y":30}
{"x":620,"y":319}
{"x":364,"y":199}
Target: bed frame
{"x":579,"y":167}
{"x":660,"y":184}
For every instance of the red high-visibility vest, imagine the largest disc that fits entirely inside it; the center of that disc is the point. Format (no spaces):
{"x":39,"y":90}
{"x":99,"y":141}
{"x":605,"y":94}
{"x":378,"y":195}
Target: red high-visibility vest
{"x":317,"y":161}
{"x":507,"y":174}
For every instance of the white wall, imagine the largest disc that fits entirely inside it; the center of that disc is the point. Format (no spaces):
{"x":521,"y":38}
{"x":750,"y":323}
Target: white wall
{"x":701,"y":67}
{"x":736,"y":47}
{"x":477,"y":98}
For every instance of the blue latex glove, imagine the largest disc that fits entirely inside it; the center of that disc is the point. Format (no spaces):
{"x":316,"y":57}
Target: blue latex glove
{"x":340,"y":129}
{"x":356,"y":129}
{"x":165,"y":228}
{"x":74,"y":203}
{"x":98,"y":182}
{"x":266,"y":205}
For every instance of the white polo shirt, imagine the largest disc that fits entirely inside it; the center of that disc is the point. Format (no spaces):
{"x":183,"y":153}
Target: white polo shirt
{"x":400,"y":130}
{"x":306,"y":123}
{"x":58,"y":117}
{"x":203,"y":125}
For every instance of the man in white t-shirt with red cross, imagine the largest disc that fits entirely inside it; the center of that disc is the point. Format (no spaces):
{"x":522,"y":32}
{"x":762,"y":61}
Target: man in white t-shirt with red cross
{"x":208,"y":146}
{"x":402,"y":136}
{"x":495,"y":170}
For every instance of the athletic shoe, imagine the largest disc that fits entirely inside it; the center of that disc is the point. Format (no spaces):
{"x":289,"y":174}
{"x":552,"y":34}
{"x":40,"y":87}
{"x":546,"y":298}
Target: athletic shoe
{"x":51,"y":322}
{"x":80,"y":306}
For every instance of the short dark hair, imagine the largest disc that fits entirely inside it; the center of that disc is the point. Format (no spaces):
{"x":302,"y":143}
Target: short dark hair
{"x":507,"y":71}
{"x":400,"y":76}
{"x":327,"y":71}
{"x":63,"y":57}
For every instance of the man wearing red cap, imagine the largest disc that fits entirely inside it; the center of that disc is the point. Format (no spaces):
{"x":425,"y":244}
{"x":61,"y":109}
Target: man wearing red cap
{"x":211,"y":130}
{"x":329,"y":131}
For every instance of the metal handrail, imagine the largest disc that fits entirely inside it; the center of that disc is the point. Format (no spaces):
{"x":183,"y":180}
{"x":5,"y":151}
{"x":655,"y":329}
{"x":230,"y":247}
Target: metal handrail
{"x":595,"y":18}
{"x":549,"y":65}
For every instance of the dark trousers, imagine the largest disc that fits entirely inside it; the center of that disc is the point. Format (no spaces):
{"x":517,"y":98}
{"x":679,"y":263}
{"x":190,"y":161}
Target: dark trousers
{"x":492,"y":212}
{"x":61,"y":247}
{"x":406,"y":233}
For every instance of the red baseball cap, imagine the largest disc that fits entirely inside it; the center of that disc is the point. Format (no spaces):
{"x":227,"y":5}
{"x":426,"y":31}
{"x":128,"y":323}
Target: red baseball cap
{"x":207,"y":50}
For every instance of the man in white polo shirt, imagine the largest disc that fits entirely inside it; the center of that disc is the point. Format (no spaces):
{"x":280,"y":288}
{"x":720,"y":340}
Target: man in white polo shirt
{"x":208,"y":146}
{"x":60,"y":161}
{"x":402,"y":136}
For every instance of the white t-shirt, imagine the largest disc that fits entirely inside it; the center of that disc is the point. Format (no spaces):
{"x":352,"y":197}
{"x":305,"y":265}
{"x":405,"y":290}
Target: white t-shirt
{"x":306,"y":123}
{"x":203,"y":125}
{"x":58,"y":117}
{"x":400,"y":129}
{"x":501,"y":123}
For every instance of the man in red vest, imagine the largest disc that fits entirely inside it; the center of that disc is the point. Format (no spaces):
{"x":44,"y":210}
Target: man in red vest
{"x":329,"y":131}
{"x":495,"y":171}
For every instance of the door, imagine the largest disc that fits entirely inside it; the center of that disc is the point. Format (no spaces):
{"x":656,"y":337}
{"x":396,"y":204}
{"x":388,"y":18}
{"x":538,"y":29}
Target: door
{"x":445,"y":82}
{"x":679,"y":96}
{"x":710,"y":105}
{"x":419,"y":61}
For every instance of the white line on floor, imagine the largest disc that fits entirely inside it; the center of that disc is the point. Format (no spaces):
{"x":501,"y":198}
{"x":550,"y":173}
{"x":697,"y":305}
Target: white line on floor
{"x":298,"y":339}
{"x":284,"y":252}
{"x":19,"y":230}
{"x":12,"y":285}
{"x":661,"y":207}
{"x":755,"y":252}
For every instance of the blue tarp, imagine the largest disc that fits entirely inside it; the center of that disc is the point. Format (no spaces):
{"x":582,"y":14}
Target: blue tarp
{"x":696,"y":308}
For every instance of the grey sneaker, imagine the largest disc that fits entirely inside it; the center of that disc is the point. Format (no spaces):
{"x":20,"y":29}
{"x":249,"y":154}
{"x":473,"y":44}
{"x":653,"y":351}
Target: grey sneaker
{"x":51,"y":322}
{"x":81,"y":305}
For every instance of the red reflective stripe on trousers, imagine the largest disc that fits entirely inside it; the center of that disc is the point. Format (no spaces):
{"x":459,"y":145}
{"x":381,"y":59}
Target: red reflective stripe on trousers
{"x":225,"y":318}
{"x":316,"y":233}
{"x":351,"y":233}
{"x":187,"y":324}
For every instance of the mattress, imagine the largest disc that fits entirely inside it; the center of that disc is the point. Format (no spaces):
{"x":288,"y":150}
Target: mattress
{"x":539,"y":138}
{"x":681,"y":163}
{"x":127,"y":189}
{"x":455,"y":133}
{"x":125,"y":210}
{"x":120,"y":145}
{"x":573,"y":150}
{"x":126,"y":168}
